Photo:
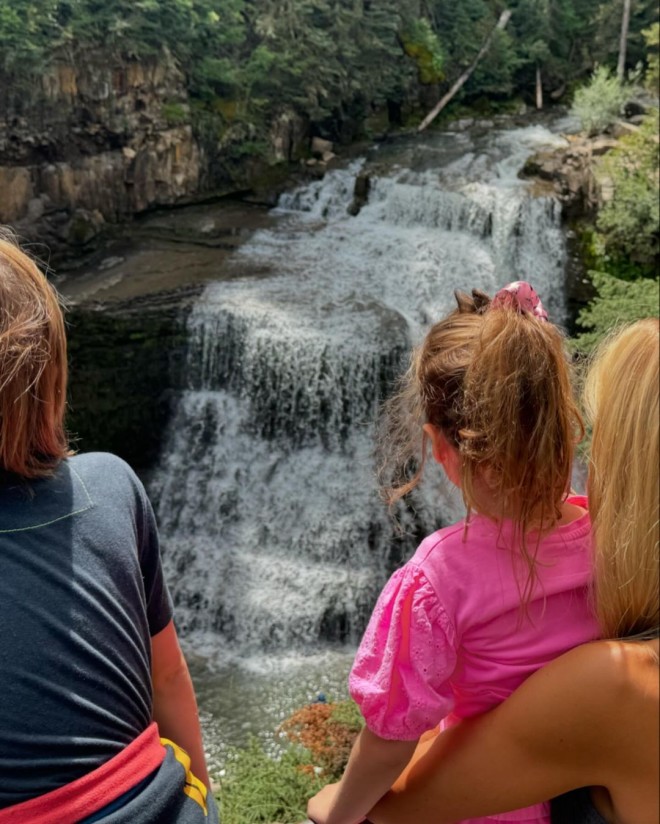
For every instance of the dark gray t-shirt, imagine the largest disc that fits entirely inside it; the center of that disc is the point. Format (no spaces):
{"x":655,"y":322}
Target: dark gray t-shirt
{"x":81,"y":592}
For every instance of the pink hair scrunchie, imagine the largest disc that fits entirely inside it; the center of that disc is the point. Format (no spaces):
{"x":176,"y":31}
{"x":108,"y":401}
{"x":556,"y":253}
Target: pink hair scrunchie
{"x":522,"y":297}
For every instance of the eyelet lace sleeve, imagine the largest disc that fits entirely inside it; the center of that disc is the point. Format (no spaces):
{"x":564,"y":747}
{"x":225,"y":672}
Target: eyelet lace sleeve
{"x":400,"y":675}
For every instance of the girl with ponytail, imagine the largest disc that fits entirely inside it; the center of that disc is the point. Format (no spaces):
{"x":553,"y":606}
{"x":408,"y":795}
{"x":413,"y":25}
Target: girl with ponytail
{"x":486,"y":602}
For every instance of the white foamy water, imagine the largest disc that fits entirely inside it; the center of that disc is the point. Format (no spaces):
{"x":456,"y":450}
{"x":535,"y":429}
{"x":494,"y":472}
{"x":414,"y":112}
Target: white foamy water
{"x":275,"y":541}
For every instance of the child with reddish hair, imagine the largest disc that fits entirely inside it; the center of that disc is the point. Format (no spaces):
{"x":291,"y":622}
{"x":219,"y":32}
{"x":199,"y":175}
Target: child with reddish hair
{"x":486,"y":602}
{"x":91,"y":671}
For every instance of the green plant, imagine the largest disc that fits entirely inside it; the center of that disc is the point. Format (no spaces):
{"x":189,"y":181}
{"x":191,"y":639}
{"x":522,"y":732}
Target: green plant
{"x":327,"y":732}
{"x":652,"y":39}
{"x":629,"y":221}
{"x":617,"y":302}
{"x":258,"y":789}
{"x":348,"y":713}
{"x":598,"y":104}
{"x":175,"y":114}
{"x":422,"y":45}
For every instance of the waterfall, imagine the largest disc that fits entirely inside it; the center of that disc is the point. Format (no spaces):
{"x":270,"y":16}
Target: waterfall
{"x":274,"y":535}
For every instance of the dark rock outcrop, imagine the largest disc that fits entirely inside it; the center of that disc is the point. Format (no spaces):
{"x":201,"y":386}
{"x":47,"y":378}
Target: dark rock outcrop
{"x":360,"y":193}
{"x":570,"y":173}
{"x":126,"y":363}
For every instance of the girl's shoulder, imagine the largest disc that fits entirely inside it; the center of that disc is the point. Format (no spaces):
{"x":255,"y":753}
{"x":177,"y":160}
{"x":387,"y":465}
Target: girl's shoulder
{"x":440,"y":541}
{"x":451,"y":557}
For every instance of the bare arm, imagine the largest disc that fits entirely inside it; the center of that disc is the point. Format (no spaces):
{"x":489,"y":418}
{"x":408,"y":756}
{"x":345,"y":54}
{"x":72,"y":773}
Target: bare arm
{"x":175,"y":706}
{"x":373,"y":765}
{"x":552,"y":735}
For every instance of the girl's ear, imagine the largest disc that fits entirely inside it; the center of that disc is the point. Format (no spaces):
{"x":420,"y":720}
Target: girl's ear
{"x":439,"y":444}
{"x":444,"y":453}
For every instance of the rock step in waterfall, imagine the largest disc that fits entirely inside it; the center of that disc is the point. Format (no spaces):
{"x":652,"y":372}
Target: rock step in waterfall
{"x":274,"y":535}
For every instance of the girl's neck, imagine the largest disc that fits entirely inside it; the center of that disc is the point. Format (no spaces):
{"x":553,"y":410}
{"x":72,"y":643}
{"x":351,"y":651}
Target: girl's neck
{"x":568,"y":513}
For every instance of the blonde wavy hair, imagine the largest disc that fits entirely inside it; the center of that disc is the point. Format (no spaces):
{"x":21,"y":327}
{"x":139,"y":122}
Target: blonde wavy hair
{"x":622,"y":398}
{"x":33,"y":367}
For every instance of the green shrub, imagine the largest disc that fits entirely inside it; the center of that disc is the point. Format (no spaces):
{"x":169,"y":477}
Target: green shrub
{"x":598,"y":105}
{"x":175,"y":114}
{"x":617,"y":302}
{"x":652,"y":38}
{"x":629,"y":221}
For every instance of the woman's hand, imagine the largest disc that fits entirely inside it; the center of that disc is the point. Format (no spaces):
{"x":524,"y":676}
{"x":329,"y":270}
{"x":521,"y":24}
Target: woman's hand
{"x":320,"y":805}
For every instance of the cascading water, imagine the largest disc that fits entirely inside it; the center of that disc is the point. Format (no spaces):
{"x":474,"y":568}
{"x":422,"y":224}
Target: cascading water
{"x":275,"y":541}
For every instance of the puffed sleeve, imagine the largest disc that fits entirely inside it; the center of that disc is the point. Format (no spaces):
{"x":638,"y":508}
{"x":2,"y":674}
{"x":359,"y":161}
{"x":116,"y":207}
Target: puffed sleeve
{"x":400,"y":675}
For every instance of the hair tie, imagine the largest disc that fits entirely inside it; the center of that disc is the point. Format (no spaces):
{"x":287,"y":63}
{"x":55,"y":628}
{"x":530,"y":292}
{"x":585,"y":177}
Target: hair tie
{"x":522,"y":297}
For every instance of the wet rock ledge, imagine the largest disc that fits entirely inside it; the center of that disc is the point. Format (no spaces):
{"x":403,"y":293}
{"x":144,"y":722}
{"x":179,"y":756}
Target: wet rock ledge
{"x":126,"y":363}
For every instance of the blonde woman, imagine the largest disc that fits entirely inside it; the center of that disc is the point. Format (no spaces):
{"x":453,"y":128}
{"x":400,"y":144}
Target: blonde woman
{"x":585,"y":727}
{"x":91,"y":673}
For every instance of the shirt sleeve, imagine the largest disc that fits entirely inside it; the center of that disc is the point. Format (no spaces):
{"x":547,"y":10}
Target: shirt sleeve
{"x":159,"y":603}
{"x":400,"y":675}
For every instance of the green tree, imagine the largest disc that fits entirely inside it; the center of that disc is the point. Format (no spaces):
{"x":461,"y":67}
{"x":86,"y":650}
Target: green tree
{"x":606,"y":31}
{"x":599,"y":104}
{"x":652,"y":38}
{"x":422,"y":45}
{"x":617,"y":302}
{"x":629,"y":224}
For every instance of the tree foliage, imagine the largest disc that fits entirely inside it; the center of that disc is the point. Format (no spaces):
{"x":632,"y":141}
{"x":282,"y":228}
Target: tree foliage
{"x":599,"y":104}
{"x":630,"y":222}
{"x":331,"y":59}
{"x":652,"y":38}
{"x":421,"y":44}
{"x":617,"y":302}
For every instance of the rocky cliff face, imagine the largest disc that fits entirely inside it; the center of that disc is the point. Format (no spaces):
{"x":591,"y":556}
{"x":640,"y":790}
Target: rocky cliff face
{"x":100,"y":139}
{"x":94,"y":142}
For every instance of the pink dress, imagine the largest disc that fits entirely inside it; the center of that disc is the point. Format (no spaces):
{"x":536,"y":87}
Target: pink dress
{"x":448,"y":639}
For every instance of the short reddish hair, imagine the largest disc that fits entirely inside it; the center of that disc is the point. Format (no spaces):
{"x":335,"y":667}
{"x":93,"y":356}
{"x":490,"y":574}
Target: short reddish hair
{"x":33,"y":368}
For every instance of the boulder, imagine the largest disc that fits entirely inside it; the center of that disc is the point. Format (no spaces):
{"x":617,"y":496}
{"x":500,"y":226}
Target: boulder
{"x":570,"y":172}
{"x":621,"y":128}
{"x":320,"y":146}
{"x":287,"y":137}
{"x":360,"y":193}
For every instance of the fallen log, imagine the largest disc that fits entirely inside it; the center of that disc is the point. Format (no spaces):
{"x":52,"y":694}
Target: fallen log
{"x":435,"y":111}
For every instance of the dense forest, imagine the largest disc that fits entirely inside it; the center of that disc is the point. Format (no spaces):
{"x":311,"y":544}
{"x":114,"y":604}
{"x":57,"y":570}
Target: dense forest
{"x":350,"y":67}
{"x":334,"y":60}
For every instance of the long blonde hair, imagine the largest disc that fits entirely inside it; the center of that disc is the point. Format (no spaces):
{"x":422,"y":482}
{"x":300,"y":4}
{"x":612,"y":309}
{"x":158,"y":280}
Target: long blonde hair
{"x":622,"y":398}
{"x":33,"y":367}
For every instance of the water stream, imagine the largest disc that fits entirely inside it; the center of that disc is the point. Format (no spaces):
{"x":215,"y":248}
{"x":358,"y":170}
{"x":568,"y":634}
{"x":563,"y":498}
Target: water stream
{"x":275,"y":541}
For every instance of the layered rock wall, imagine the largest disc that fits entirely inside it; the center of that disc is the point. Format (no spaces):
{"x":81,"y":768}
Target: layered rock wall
{"x":95,"y":141}
{"x":100,"y":138}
